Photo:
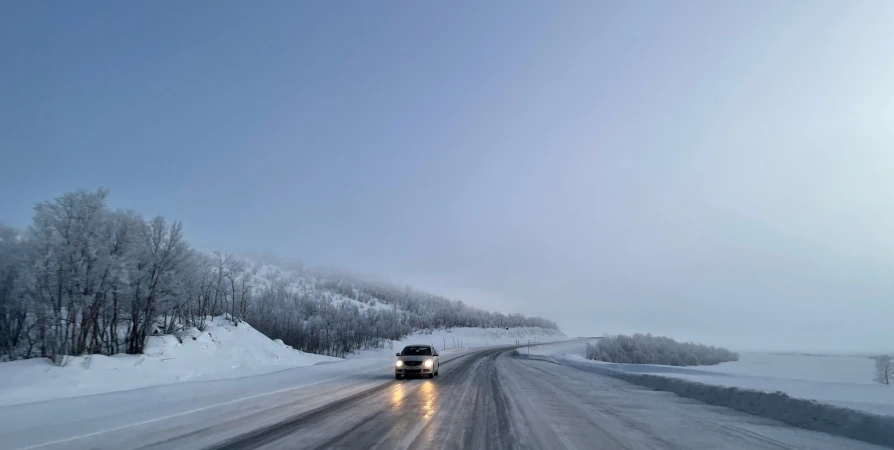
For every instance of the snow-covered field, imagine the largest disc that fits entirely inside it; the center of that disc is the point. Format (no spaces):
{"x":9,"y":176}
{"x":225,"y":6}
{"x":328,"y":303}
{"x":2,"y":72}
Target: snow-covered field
{"x":222,"y":351}
{"x":839,"y":380}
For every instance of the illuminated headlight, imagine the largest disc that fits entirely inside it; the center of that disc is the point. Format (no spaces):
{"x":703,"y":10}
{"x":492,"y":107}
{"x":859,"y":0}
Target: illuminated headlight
{"x":399,"y":363}
{"x":429,"y":363}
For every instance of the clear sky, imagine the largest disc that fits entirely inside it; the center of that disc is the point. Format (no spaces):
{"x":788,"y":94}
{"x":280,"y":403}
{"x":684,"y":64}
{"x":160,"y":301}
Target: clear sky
{"x":711,"y":170}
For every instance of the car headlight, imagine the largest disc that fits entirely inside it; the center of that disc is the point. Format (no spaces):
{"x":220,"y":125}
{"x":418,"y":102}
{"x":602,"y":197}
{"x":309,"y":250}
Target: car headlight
{"x":399,"y":363}
{"x":429,"y":363}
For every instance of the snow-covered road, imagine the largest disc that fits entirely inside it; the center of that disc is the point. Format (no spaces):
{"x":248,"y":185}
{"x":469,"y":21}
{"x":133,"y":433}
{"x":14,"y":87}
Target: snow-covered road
{"x":483,"y":399}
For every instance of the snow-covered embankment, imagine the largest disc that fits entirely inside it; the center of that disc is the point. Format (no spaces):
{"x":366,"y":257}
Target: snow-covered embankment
{"x":223,"y":350}
{"x":804,"y":413}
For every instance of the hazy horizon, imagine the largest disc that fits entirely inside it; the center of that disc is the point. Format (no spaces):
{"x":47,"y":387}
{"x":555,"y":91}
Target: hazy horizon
{"x":717,"y":172}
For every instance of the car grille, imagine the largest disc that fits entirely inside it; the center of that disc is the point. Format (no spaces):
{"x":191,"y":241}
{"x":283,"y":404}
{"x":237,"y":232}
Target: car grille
{"x":413,"y":363}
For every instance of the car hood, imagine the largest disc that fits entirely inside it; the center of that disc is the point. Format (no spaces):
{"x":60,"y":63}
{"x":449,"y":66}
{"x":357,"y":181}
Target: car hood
{"x":414,"y":358}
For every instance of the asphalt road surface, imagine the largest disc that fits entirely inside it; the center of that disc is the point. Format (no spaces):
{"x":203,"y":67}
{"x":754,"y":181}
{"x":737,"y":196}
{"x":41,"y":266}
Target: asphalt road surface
{"x":493,"y":400}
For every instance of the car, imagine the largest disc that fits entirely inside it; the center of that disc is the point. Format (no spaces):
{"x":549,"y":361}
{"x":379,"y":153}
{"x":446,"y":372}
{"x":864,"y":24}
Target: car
{"x":420,"y":360}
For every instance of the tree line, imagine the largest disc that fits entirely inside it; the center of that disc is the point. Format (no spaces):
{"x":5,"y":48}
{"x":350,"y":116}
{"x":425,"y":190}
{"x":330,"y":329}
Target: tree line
{"x":84,"y":278}
{"x":648,"y":349}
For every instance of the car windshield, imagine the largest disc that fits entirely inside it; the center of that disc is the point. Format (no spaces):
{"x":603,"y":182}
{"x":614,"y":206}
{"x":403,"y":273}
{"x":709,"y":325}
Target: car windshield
{"x":416,"y":351}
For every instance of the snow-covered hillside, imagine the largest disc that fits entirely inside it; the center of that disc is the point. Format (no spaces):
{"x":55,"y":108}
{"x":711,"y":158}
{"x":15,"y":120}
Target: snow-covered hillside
{"x":117,"y":301}
{"x":109,"y":280}
{"x":335,"y":313}
{"x":267,"y":276}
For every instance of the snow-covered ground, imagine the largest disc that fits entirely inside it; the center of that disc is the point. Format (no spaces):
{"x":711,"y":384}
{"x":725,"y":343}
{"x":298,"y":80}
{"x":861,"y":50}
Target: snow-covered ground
{"x":209,"y":411}
{"x":830,"y":369}
{"x":41,"y":404}
{"x":222,"y":351}
{"x":839,"y":380}
{"x":551,"y":406}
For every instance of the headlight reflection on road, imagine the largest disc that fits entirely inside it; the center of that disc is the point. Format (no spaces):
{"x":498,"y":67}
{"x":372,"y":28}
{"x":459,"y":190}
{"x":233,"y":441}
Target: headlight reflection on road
{"x":429,"y":396}
{"x":418,"y":397}
{"x":397,"y":396}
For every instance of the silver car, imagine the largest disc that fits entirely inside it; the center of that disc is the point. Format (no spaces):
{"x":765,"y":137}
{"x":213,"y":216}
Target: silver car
{"x":417,"y":360}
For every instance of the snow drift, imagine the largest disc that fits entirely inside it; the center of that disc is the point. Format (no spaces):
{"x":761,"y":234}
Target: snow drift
{"x":809,"y":414}
{"x":222,"y":350}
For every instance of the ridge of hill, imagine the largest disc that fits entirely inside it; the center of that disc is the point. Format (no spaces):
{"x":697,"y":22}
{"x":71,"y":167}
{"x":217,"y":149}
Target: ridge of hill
{"x":86,"y":279}
{"x":334,"y":313}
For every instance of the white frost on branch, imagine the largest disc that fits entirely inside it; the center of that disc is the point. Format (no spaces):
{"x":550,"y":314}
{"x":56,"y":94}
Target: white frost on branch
{"x":648,"y":349}
{"x":884,"y":369}
{"x":87,"y":279}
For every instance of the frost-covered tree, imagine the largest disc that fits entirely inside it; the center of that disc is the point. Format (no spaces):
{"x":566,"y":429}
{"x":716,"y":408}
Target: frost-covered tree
{"x":15,"y":326}
{"x":76,"y":261}
{"x":156,"y":286}
{"x":884,"y":369}
{"x":648,"y":349}
{"x":85,"y":278}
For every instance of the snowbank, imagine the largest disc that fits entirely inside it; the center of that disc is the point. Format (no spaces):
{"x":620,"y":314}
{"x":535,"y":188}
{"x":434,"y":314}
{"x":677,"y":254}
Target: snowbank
{"x":222,"y":351}
{"x":844,"y":381}
{"x":840,"y":380}
{"x":804,"y":413}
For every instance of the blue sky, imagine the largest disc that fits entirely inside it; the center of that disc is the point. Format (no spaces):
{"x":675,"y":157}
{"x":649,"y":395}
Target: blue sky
{"x":698,"y":169}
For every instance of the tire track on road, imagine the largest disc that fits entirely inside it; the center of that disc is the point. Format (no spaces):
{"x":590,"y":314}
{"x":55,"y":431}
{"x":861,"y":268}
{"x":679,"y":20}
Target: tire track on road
{"x":459,"y":366}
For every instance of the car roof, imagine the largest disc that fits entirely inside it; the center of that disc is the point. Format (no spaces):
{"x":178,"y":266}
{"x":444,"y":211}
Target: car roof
{"x":418,"y":345}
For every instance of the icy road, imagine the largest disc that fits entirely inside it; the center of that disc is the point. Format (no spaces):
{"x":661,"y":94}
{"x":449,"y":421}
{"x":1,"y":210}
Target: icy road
{"x":483,"y":399}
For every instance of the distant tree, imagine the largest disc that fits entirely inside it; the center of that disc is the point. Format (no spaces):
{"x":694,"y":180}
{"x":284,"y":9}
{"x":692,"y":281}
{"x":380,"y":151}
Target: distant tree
{"x":884,"y":369}
{"x":648,"y":349}
{"x":15,"y":328}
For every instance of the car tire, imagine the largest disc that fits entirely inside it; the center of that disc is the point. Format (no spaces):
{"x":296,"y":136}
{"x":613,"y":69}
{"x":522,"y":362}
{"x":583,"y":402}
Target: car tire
{"x":397,"y":377}
{"x":431,"y":375}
